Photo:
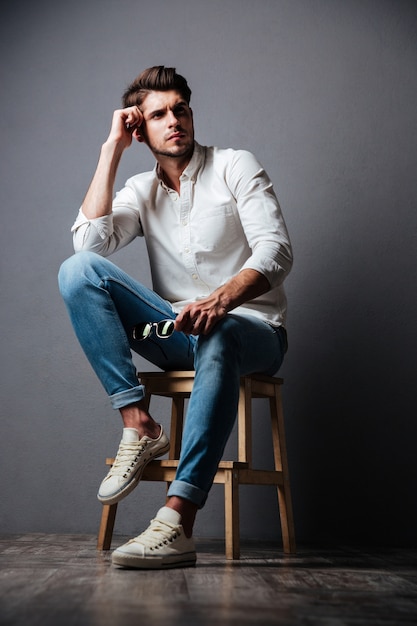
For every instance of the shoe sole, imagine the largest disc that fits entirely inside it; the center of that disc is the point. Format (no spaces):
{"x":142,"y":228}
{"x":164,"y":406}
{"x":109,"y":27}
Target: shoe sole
{"x":132,"y":562}
{"x":115,"y":498}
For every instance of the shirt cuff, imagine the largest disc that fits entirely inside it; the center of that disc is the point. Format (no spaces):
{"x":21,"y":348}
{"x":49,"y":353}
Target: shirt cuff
{"x":103,"y":224}
{"x":267,"y":266}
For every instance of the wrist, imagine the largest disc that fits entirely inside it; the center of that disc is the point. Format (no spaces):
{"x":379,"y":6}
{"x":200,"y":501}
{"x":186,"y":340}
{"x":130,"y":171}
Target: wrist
{"x":224,"y":297}
{"x":112,"y":147}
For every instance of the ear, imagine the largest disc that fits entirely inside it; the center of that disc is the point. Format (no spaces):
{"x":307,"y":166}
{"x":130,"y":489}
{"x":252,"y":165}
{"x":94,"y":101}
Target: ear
{"x":138,"y":135}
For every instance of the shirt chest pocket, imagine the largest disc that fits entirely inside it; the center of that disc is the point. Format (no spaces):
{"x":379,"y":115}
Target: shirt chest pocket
{"x":217,"y":229}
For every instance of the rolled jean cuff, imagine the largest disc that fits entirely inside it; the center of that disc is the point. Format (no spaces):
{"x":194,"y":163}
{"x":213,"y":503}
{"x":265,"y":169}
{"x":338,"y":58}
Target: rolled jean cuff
{"x":123,"y":398}
{"x":189,"y":492}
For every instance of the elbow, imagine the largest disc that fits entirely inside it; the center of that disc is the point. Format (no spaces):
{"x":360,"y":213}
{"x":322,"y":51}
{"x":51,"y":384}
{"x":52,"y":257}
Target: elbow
{"x":288,"y":259}
{"x":283,"y":260}
{"x":81,"y":244}
{"x":84,"y":245}
{"x":78,"y":245}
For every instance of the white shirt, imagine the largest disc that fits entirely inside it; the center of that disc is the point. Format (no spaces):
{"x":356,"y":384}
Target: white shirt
{"x":226,"y":218}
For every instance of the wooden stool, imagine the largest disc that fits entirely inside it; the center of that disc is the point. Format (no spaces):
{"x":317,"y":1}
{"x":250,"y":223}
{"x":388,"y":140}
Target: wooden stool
{"x":178,"y":386}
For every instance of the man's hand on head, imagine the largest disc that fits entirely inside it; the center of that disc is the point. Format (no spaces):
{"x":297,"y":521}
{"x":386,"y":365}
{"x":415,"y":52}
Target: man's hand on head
{"x":126,"y":124}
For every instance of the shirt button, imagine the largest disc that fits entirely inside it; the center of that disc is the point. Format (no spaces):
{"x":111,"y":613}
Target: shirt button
{"x":195,"y":276}
{"x":186,"y":250}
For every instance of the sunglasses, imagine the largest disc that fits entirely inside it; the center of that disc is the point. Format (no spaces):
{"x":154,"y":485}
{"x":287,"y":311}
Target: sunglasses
{"x":163,"y":329}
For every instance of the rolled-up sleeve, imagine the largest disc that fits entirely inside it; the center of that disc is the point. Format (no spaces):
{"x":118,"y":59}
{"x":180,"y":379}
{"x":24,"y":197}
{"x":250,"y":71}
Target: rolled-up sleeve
{"x":261,"y":218}
{"x":104,"y":235}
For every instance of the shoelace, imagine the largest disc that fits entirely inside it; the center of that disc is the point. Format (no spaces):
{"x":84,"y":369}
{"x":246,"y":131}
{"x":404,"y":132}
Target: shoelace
{"x":127,"y":456}
{"x":158,"y":534}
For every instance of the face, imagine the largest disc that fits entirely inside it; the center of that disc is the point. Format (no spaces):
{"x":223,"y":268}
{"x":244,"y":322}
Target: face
{"x":167,"y":126}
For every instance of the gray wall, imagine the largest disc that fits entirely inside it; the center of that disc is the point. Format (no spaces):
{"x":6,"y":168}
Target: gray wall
{"x":324,"y":92}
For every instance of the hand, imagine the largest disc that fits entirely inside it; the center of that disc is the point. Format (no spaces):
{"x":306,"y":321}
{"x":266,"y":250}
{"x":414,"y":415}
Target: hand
{"x":125,"y":124}
{"x":200,"y":317}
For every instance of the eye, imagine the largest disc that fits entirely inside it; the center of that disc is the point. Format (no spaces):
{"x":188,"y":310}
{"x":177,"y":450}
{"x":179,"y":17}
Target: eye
{"x":180,"y":110}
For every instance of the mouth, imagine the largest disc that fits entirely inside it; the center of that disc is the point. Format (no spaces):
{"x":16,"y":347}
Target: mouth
{"x":174,"y":136}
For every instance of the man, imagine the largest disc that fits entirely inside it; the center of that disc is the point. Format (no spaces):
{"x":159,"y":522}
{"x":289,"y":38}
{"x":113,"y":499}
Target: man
{"x":219,"y":252}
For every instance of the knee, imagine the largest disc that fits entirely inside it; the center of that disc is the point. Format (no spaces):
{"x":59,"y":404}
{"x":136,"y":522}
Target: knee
{"x":72,"y":272}
{"x":223,"y":341}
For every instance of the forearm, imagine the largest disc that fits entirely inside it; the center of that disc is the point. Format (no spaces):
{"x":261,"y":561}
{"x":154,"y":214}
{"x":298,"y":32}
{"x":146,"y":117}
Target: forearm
{"x":98,"y":200}
{"x":245,"y":286}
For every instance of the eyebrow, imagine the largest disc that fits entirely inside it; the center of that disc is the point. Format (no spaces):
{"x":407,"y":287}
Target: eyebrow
{"x":155,"y":111}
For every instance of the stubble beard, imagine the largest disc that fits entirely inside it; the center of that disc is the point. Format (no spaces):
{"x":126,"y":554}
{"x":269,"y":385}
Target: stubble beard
{"x":174,"y":153}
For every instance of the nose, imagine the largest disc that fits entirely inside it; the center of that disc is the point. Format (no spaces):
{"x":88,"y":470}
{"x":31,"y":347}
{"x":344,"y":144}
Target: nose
{"x":172,"y":119}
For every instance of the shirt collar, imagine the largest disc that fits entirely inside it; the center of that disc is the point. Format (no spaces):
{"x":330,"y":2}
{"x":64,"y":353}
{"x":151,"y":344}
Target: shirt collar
{"x":192,"y":168}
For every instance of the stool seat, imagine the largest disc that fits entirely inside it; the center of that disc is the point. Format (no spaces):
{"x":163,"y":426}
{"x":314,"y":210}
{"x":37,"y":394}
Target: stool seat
{"x":178,"y":385}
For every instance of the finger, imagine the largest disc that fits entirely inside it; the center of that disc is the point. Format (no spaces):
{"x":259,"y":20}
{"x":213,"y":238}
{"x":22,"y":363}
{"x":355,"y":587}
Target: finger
{"x":133,"y":118}
{"x":181,"y":322}
{"x":207,"y":326}
{"x":200,"y":323}
{"x":191,"y":327}
{"x":130,"y":124}
{"x":184,"y":316}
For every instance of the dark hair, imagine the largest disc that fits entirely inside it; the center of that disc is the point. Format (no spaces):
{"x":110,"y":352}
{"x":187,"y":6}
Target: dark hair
{"x":157,"y":78}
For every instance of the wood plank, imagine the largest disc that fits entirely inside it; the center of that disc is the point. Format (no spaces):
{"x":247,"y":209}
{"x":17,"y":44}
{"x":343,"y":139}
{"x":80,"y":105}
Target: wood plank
{"x":48,"y":580}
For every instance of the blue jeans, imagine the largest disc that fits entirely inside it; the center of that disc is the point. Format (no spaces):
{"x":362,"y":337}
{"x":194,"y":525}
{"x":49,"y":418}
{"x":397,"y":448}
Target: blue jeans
{"x":104,"y":303}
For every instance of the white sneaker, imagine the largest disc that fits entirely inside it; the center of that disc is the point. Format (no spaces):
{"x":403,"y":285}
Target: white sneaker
{"x":131,"y":459}
{"x":163,"y":544}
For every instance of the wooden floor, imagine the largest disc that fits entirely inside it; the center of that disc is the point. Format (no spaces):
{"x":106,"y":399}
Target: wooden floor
{"x":61,"y":580}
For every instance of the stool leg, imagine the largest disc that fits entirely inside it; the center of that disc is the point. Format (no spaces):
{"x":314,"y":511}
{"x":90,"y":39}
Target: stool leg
{"x":177,"y":418}
{"x":231,"y":513}
{"x":281,"y":464}
{"x":245,"y":421}
{"x":175,"y":435}
{"x":105,"y":532}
